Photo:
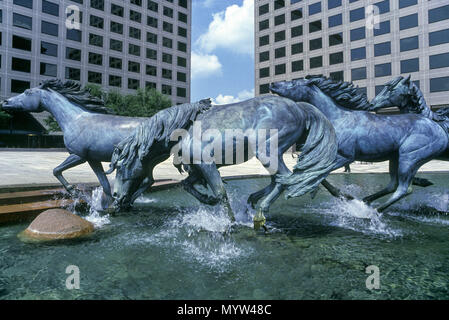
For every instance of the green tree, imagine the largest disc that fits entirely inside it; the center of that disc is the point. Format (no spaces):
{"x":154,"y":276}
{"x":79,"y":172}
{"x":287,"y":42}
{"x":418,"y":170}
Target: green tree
{"x":144,"y":103}
{"x":4,"y":117}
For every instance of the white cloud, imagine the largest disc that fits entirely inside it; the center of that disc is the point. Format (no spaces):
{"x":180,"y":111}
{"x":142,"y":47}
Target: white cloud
{"x":231,"y":29}
{"x":205,"y":65}
{"x":243,"y":95}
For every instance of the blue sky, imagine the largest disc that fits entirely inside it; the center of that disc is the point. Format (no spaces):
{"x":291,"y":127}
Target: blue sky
{"x":223,"y":50}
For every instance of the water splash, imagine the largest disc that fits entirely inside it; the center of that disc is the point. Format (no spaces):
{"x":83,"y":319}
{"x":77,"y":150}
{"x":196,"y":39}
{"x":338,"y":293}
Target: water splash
{"x":357,"y":216}
{"x":95,"y":206}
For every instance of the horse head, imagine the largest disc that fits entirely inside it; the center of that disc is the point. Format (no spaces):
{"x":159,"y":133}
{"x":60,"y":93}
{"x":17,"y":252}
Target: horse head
{"x":28,"y":101}
{"x":396,"y":93}
{"x":296,"y":90}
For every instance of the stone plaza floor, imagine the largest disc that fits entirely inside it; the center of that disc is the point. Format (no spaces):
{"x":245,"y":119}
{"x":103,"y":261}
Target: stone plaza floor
{"x":36,"y":167}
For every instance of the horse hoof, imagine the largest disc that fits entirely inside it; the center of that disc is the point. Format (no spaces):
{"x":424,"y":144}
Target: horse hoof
{"x":259,"y":221}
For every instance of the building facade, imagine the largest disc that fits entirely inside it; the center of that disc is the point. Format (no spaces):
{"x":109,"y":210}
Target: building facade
{"x":121,"y":44}
{"x":335,"y":38}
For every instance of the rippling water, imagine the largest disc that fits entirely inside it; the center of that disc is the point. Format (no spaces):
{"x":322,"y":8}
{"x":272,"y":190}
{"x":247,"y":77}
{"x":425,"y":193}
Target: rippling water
{"x":170,"y":247}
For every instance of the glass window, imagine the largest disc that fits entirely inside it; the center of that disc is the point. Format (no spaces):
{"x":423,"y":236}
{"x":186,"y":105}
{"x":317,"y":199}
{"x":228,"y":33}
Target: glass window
{"x":279,"y":52}
{"x":280,"y":19}
{"x":439,"y":61}
{"x":72,"y":73}
{"x":181,"y":76}
{"x":335,"y":20}
{"x":115,"y":81}
{"x":134,"y":49}
{"x":152,"y":54}
{"x":315,"y":26}
{"x":335,"y":58}
{"x":264,"y":9}
{"x":410,"y":43}
{"x":73,"y":54}
{"x":182,"y":32}
{"x":384,"y":27}
{"x":117,"y":10}
{"x":181,"y":92}
{"x":264,"y":40}
{"x":95,"y":40}
{"x":152,"y":22}
{"x":316,"y":62}
{"x":265,"y":24}
{"x":382,"y":70}
{"x":280,"y":69}
{"x":115,"y":63}
{"x":116,"y":45}
{"x":167,"y":58}
{"x":135,"y":16}
{"x":314,"y":8}
{"x":21,"y":43}
{"x":151,"y":70}
{"x":296,"y":31}
{"x":378,"y":89}
{"x":151,"y":37}
{"x":439,"y":14}
{"x":150,"y":85}
{"x":182,"y":62}
{"x":24,"y":3}
{"x":279,"y":36}
{"x":264,"y":88}
{"x":296,"y":14}
{"x":95,"y":58}
{"x":384,"y":6}
{"x":133,"y":66}
{"x":439,"y":84}
{"x":315,"y":44}
{"x":138,"y":2}
{"x":49,"y":28}
{"x":264,"y":56}
{"x":279,"y":4}
{"x":357,"y":34}
{"x":297,"y":48}
{"x":168,"y":12}
{"x":297,"y":65}
{"x":97,"y":22}
{"x":21,"y":65}
{"x":337,"y":76}
{"x":336,"y":39}
{"x":50,"y":8}
{"x":116,"y":27}
{"x":166,"y":89}
{"x":381,"y":49}
{"x":264,"y":72}
{"x":48,"y":69}
{"x":357,"y":14}
{"x":97,"y":4}
{"x":358,"y":54}
{"x":18,"y":86}
{"x":358,"y":73}
{"x":408,"y":22}
{"x":49,"y":49}
{"x":410,"y":65}
{"x":407,"y":3}
{"x":153,"y":6}
{"x":22,"y":21}
{"x":94,"y":77}
{"x":134,"y":33}
{"x":333,"y":4}
{"x":438,"y":37}
{"x":166,"y":74}
{"x":182,"y":17}
{"x":166,"y":42}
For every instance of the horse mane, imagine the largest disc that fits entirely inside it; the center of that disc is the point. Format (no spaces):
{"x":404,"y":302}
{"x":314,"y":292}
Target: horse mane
{"x":157,"y":128}
{"x":73,"y":92}
{"x":344,"y":93}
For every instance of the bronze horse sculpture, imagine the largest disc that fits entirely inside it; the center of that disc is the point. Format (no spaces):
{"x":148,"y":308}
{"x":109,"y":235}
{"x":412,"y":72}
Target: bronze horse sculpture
{"x":290,"y":122}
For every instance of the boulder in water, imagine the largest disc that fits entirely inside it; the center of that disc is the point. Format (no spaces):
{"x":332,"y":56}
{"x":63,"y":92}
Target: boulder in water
{"x":57,"y":224}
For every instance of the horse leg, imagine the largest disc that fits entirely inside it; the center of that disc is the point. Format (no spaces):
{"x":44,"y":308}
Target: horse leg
{"x":72,"y":161}
{"x":404,"y":189}
{"x":256,"y":196}
{"x":189,"y":185}
{"x":339,"y":162}
{"x":392,"y":186}
{"x":104,"y":182}
{"x":272,"y":195}
{"x":213,"y":178}
{"x":146,"y":184}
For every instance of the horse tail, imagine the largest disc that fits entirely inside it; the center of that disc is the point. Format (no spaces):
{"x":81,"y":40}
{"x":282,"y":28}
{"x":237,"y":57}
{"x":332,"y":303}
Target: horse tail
{"x":317,"y":156}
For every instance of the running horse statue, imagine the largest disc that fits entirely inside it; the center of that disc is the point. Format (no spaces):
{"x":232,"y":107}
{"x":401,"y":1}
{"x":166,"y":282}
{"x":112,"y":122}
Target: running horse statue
{"x":90,"y":133}
{"x":407,"y":140}
{"x":279,"y":124}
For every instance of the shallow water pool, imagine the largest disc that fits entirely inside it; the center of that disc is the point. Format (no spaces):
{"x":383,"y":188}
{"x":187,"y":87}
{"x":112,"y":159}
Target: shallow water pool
{"x":169,"y":247}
